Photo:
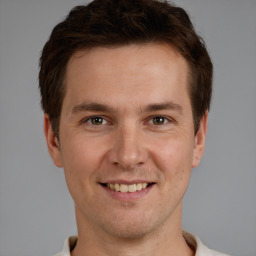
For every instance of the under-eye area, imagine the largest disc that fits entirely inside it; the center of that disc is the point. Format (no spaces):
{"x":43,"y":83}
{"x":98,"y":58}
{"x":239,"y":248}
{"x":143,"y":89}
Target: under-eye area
{"x":124,"y":188}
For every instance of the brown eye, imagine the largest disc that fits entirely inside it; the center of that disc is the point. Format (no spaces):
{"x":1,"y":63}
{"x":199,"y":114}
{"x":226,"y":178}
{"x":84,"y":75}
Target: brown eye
{"x":159,"y":120}
{"x":97,"y":120}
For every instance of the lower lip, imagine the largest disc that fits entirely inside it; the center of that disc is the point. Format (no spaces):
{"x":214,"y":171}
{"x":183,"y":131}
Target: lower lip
{"x":128,"y":196}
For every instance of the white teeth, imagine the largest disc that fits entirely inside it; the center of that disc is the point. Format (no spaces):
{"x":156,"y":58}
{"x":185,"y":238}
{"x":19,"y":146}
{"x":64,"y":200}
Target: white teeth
{"x":132,"y":188}
{"x":124,"y":188}
{"x":116,"y":187}
{"x":127,"y":188}
{"x":139,"y":187}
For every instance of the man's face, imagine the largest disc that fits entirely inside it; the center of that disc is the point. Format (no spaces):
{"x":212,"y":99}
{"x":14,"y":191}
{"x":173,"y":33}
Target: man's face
{"x":126,"y":123}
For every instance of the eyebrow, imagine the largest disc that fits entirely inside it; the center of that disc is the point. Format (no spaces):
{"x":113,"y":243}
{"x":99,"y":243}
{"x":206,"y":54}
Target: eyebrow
{"x":164,"y":106}
{"x":92,"y":107}
{"x":104,"y":108}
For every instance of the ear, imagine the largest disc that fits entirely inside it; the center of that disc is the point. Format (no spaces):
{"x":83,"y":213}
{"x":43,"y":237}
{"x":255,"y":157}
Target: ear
{"x":200,"y":141}
{"x":52,"y":142}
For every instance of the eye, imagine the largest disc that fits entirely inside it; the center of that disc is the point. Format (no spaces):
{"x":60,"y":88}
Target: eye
{"x":96,"y":120}
{"x":159,"y":120}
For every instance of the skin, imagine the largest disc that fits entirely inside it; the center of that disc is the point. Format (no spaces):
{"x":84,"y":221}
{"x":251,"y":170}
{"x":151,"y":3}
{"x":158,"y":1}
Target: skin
{"x":127,"y":118}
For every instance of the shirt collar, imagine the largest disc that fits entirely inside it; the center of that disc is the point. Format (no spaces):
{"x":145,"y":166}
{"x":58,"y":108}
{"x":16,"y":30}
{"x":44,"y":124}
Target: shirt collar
{"x":193,"y":241}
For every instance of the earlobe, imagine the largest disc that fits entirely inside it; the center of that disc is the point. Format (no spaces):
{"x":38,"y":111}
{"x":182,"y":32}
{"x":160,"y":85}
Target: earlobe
{"x":52,"y":142}
{"x":200,"y":141}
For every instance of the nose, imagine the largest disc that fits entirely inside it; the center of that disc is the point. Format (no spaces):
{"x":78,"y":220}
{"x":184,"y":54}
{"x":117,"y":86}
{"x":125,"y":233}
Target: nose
{"x":128,"y":150}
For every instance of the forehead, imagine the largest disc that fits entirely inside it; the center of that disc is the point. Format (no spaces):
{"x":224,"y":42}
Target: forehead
{"x":143,"y":54}
{"x":150,"y":70}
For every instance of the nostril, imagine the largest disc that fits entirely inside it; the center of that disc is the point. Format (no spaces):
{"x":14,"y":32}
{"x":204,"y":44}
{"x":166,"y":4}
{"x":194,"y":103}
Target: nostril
{"x":128,"y":166}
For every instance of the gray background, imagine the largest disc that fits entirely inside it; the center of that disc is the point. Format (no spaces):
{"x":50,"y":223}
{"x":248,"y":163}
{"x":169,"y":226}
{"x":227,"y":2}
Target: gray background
{"x":37,"y":213}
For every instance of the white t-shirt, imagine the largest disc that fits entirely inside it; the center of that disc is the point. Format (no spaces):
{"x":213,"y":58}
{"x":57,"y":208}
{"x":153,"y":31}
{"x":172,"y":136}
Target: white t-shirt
{"x":192,"y":240}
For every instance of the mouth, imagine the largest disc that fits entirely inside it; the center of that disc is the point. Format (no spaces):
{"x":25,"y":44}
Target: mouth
{"x":127,"y":188}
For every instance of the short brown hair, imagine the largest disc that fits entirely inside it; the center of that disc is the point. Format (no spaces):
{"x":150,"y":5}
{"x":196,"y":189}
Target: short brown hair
{"x":108,"y":23}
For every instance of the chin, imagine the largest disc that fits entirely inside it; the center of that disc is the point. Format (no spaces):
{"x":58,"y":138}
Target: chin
{"x":133,"y":227}
{"x":131,"y":231}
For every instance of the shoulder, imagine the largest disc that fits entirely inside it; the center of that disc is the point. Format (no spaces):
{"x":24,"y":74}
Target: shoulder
{"x":199,"y":247}
{"x":69,"y":244}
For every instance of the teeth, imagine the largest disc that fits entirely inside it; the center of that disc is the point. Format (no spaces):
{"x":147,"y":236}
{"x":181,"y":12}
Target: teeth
{"x":116,"y":187}
{"x":124,"y":188}
{"x":139,"y":186}
{"x":127,"y":188}
{"x":132,"y":188}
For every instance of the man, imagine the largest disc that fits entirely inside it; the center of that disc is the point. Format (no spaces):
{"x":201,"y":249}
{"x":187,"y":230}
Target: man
{"x":126,"y":89}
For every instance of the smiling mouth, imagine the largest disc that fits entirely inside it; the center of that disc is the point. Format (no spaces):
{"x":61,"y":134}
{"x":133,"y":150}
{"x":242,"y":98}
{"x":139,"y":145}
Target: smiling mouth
{"x":124,"y":188}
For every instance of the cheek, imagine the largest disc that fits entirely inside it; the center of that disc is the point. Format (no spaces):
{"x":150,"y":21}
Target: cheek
{"x":173,"y":155}
{"x":80,"y":161}
{"x":174,"y":160}
{"x":175,"y":164}
{"x":80,"y":154}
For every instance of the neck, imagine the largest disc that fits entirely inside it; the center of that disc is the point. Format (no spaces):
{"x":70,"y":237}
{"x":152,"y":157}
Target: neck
{"x":166,"y":240}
